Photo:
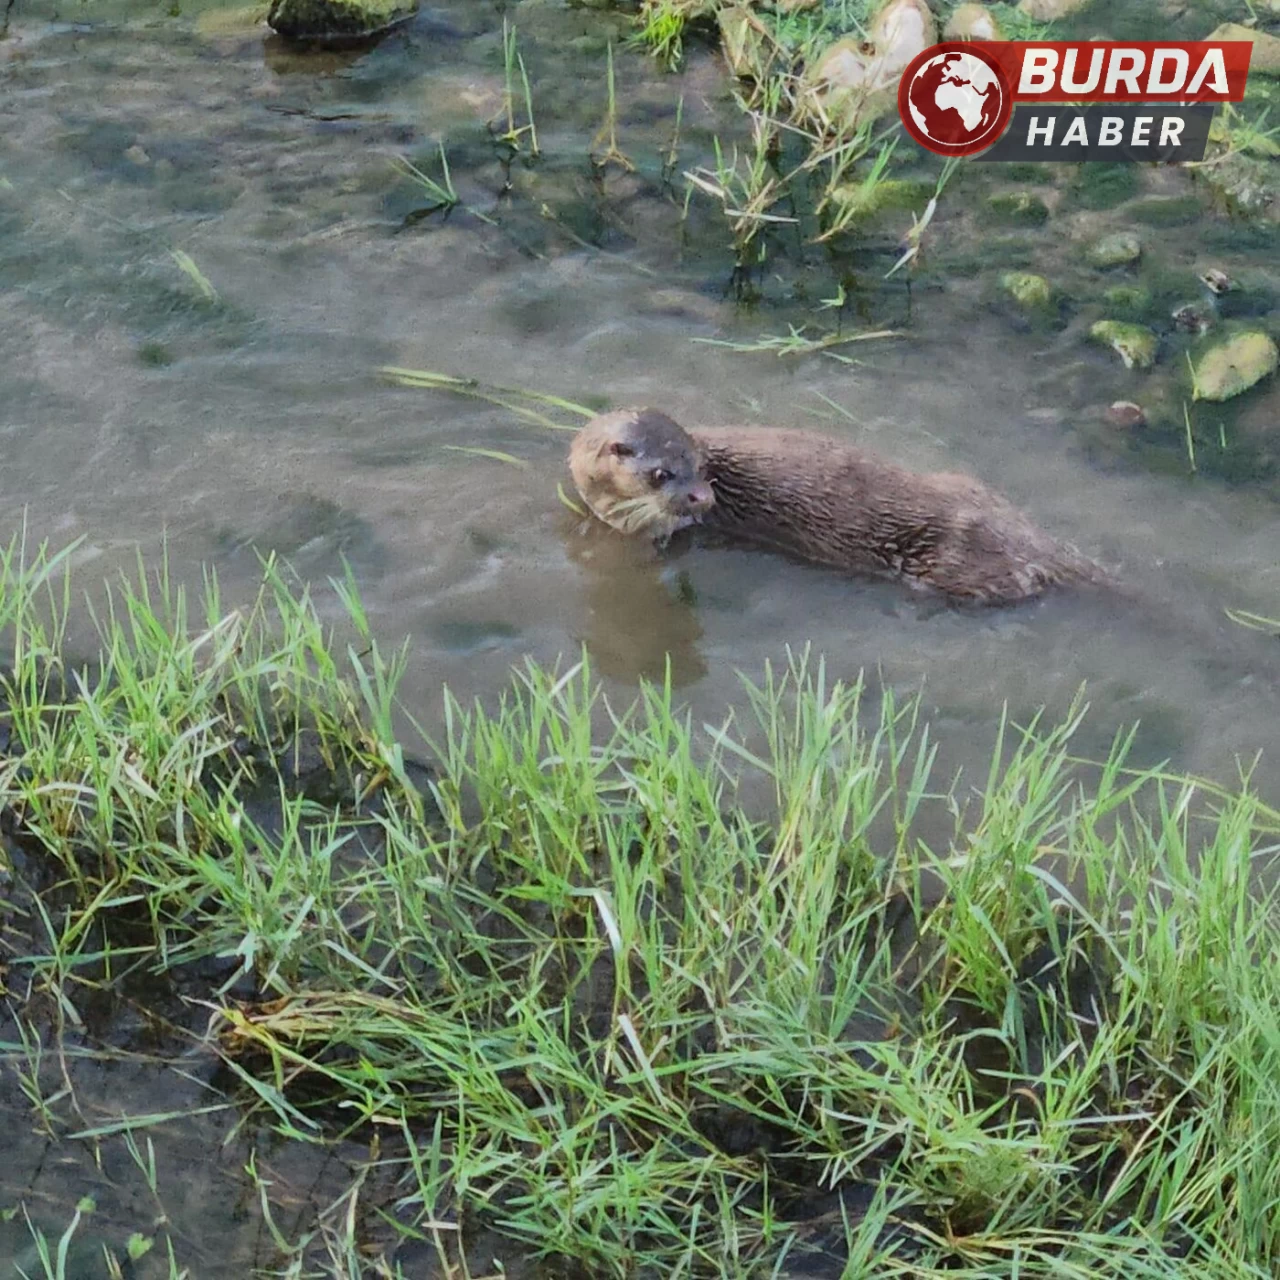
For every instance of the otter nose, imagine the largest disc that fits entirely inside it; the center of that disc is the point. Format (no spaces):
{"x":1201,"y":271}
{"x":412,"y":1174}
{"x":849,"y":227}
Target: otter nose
{"x":699,"y":496}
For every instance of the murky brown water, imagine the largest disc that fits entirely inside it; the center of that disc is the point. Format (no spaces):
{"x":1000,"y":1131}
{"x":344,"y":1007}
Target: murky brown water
{"x":131,"y":411}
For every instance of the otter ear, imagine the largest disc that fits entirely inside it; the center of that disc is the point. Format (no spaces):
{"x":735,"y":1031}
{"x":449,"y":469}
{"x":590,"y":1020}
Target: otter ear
{"x":620,"y":450}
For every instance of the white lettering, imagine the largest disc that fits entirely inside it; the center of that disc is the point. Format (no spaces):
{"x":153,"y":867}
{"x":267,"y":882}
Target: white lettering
{"x":1171,"y":131}
{"x":1181,"y":60}
{"x":1111,"y":131}
{"x":1141,"y":131}
{"x":1213,"y":61}
{"x":1069,"y":82}
{"x":1045,"y":131}
{"x":1125,"y":66}
{"x":1038,"y":66}
{"x":1077,"y":132}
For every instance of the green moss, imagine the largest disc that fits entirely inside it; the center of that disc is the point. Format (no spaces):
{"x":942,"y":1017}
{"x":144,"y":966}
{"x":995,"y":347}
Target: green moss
{"x":337,"y":19}
{"x":1027,"y":289}
{"x":1165,"y":211}
{"x":1103,"y":186}
{"x":1128,"y":301}
{"x":1135,"y":344}
{"x":1019,"y":207}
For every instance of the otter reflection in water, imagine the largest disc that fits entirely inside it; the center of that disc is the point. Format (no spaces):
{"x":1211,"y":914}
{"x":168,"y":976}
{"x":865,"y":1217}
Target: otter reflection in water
{"x":821,"y":500}
{"x":638,"y":624}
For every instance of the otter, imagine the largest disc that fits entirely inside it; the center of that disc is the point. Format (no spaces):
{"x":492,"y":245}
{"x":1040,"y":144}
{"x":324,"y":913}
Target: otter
{"x":821,"y":500}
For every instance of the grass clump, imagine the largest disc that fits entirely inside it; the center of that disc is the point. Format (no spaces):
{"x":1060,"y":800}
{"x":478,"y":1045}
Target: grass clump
{"x":648,"y":996}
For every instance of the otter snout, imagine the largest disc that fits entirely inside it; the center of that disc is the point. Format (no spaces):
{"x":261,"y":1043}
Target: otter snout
{"x":698,"y":498}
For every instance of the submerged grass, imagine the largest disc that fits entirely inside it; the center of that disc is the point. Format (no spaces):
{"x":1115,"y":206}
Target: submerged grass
{"x":568,"y":988}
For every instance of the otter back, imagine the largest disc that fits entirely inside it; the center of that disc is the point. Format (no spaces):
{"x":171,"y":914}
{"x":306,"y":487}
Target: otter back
{"x":836,"y":505}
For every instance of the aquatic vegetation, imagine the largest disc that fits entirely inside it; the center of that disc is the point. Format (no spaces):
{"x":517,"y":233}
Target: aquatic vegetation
{"x":187,"y":265}
{"x":639,"y":993}
{"x":440,"y":192}
{"x":608,"y":131}
{"x":797,"y":342}
{"x":513,"y":62}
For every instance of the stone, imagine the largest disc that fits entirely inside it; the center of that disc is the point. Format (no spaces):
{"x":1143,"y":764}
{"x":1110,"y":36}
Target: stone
{"x":1135,"y":344}
{"x":1228,"y":366}
{"x":1027,"y":289}
{"x":1126,"y":415}
{"x":853,"y":81}
{"x":1050,"y":10}
{"x":1193,"y":317}
{"x":338,"y":19}
{"x":889,"y":193}
{"x":1217,"y":281}
{"x":972,"y":22}
{"x":1245,"y":184}
{"x":900,"y":31}
{"x":1266,"y":47}
{"x":1115,"y":250}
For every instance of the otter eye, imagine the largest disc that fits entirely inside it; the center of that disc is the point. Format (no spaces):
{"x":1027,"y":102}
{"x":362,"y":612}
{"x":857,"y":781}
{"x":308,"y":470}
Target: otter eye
{"x":658,"y":477}
{"x":620,"y":450}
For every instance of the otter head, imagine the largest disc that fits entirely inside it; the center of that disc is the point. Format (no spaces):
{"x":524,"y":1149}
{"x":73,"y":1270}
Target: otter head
{"x":638,"y":472}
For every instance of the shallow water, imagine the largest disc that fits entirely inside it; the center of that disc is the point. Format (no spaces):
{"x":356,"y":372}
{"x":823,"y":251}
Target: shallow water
{"x":134,"y":411}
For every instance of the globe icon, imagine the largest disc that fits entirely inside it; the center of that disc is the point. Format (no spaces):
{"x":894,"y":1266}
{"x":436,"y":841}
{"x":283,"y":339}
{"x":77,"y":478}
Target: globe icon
{"x":956,"y":99}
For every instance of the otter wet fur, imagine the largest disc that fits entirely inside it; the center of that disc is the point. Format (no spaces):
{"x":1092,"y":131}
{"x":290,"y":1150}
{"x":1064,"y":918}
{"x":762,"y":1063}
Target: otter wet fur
{"x":822,"y":500}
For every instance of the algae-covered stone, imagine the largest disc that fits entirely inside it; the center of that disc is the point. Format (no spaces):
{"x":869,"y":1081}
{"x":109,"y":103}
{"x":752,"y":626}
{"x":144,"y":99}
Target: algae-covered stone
{"x":1228,"y":366}
{"x":1115,"y":250}
{"x":1027,"y":289}
{"x":1129,"y":300}
{"x":865,"y":199}
{"x":1266,"y":48}
{"x":972,"y":22}
{"x":1135,"y":344}
{"x":338,"y":19}
{"x":1018,"y":206}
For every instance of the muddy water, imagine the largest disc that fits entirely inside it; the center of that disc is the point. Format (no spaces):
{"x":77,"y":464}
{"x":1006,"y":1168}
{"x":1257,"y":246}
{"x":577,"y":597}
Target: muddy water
{"x":135,"y":410}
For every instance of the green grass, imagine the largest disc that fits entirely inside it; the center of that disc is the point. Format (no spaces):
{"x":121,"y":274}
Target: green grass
{"x":651,"y":996}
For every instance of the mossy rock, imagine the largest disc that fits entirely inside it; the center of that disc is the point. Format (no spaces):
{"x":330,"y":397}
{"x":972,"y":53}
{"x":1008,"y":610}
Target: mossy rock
{"x":1135,"y":344}
{"x":1128,"y":301}
{"x":889,"y":193}
{"x":1226,"y":366}
{"x":1116,"y":250}
{"x":338,"y":19}
{"x":1027,"y":289}
{"x":1018,"y":206}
